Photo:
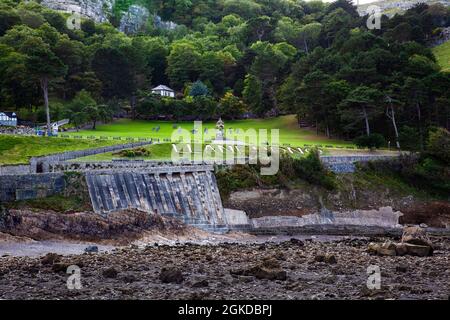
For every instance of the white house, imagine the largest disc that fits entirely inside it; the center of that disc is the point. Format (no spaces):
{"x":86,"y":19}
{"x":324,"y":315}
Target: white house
{"x":164,"y":91}
{"x":8,"y":119}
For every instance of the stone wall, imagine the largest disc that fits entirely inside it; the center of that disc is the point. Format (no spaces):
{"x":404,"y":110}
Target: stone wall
{"x":383,"y":217}
{"x":15,"y":170}
{"x":132,"y":165}
{"x":346,"y":164}
{"x":43,"y":164}
{"x":30,"y":186}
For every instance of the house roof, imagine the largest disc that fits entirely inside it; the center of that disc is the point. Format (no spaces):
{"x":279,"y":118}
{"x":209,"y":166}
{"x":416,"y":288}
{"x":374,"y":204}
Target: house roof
{"x":9,"y":114}
{"x":162,"y":87}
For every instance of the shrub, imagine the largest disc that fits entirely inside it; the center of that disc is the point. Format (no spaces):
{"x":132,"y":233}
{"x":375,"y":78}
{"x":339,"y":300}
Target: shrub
{"x":133,"y":153}
{"x":438,"y":144}
{"x":372,"y":141}
{"x":308,"y":168}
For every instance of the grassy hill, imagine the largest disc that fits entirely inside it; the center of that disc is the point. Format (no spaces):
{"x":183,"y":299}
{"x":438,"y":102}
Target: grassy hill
{"x":442,"y":53}
{"x":290,"y":133}
{"x":19,"y":149}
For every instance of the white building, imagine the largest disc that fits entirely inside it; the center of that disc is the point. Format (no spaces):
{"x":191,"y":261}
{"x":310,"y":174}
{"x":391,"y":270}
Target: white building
{"x":164,"y":91}
{"x":8,"y":119}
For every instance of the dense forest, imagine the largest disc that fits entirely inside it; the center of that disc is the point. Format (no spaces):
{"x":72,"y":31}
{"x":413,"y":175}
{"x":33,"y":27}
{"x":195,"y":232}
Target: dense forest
{"x":228,"y":58}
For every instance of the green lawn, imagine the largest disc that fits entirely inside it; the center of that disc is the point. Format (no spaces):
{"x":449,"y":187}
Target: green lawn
{"x":442,"y":54}
{"x":19,"y":149}
{"x":289,"y":131}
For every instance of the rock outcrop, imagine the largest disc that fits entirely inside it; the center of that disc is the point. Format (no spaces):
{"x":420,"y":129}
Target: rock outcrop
{"x":97,"y":10}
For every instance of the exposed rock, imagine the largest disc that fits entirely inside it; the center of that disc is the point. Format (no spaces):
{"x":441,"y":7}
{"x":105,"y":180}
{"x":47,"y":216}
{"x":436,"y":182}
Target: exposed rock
{"x":327,"y":258}
{"x":110,"y":273}
{"x":92,"y":9}
{"x":91,"y":249}
{"x":60,"y":267}
{"x":417,"y":236}
{"x":401,"y":249}
{"x":201,"y":284}
{"x":420,"y":251}
{"x":128,"y":278}
{"x":169,"y":275}
{"x":387,"y":249}
{"x":372,"y":248}
{"x":50,"y":258}
{"x":134,"y":19}
{"x":297,"y":242}
{"x":401,"y":268}
{"x":407,"y":277}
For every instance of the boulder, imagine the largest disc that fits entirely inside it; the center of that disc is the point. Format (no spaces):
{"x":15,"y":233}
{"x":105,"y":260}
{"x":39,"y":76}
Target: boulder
{"x":110,"y":273}
{"x":171,"y":275}
{"x":327,"y":258}
{"x":265,"y":273}
{"x":420,"y":251}
{"x":416,"y":235}
{"x":50,"y":258}
{"x":401,"y":249}
{"x":91,"y":249}
{"x":387,"y":249}
{"x":372,"y":248}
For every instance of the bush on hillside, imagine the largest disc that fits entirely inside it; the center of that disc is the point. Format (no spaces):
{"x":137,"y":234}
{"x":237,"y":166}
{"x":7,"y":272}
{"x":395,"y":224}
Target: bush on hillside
{"x":372,"y":141}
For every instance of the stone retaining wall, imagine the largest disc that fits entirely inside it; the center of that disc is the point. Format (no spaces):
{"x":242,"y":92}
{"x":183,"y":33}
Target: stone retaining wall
{"x":31,"y":186}
{"x":141,"y":166}
{"x":15,"y":170}
{"x":346,"y":164}
{"x":42,"y":164}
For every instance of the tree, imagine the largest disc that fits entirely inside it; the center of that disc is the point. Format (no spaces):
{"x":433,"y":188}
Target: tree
{"x":309,"y":34}
{"x":362,"y":103}
{"x":253,"y":93}
{"x":44,"y":65}
{"x":438,"y":144}
{"x":198,"y":89}
{"x":113,"y":70}
{"x":230,"y":106}
{"x":184,"y":63}
{"x":81,"y":109}
{"x":390,"y":113}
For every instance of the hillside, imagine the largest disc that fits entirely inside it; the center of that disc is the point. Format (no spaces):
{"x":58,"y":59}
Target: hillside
{"x":442,"y":53}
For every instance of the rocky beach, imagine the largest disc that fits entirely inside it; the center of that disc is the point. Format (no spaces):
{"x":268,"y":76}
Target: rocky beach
{"x":288,"y":268}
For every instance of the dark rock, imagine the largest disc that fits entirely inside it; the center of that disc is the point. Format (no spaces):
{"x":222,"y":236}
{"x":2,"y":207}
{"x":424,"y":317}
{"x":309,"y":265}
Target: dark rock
{"x":297,"y":242}
{"x":50,"y":258}
{"x":271,"y":263}
{"x":201,"y":284}
{"x":60,"y":267}
{"x":401,"y":268}
{"x":327,"y":258}
{"x":261,"y":272}
{"x":91,"y":249}
{"x":171,"y":275}
{"x":401,"y":249}
{"x":419,"y":251}
{"x":110,"y":272}
{"x":128,"y":278}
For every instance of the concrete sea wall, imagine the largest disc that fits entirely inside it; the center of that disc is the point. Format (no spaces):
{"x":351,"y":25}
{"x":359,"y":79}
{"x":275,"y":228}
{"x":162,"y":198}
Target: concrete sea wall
{"x":190,"y":196}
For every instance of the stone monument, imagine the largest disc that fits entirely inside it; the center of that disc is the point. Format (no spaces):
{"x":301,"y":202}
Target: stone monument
{"x":220,"y":125}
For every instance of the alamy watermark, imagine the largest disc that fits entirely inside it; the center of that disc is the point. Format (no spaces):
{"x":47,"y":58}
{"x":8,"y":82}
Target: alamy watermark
{"x":374,"y":279}
{"x":74,"y":280}
{"x":374,"y":18}
{"x":232,"y":146}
